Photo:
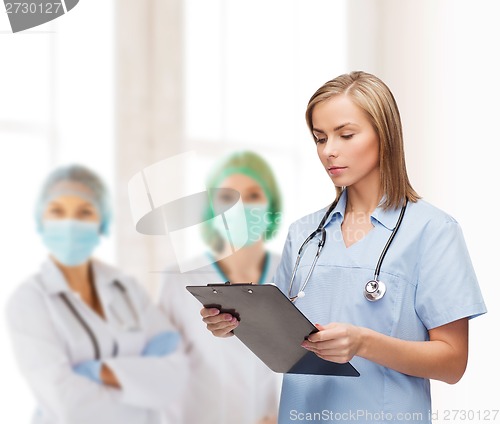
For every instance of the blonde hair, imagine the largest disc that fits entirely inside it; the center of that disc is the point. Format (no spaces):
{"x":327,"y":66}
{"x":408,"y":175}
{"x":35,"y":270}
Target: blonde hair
{"x":371,"y":95}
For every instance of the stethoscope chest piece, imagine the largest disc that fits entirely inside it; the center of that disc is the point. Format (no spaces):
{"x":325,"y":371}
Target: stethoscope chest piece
{"x":374,"y":290}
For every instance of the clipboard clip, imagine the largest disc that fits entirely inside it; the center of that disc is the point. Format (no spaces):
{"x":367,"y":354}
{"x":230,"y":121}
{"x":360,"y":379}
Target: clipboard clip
{"x":227,"y":283}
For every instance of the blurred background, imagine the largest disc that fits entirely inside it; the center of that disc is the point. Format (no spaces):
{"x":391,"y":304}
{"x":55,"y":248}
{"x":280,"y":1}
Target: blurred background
{"x":119,"y":85}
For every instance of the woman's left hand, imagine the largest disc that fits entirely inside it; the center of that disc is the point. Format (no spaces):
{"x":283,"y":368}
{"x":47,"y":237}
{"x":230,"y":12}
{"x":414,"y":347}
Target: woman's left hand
{"x":108,"y":377}
{"x":335,"y":342}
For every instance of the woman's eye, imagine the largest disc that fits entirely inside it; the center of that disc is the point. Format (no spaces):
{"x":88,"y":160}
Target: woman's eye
{"x":86,"y":213}
{"x":225,"y":198}
{"x":55,"y":211}
{"x":347,"y":136}
{"x":320,"y":140}
{"x":255,"y":196}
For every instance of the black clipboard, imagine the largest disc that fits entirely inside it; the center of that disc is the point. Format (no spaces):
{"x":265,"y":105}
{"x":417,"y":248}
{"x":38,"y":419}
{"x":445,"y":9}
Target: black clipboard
{"x":271,"y":326}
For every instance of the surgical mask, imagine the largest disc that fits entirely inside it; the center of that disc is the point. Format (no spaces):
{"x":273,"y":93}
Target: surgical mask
{"x":256,"y":225}
{"x":70,"y":241}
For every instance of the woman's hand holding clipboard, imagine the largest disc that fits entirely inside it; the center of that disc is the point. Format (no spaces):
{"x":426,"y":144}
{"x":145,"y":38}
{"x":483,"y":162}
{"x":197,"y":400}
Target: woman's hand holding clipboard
{"x":265,"y":320}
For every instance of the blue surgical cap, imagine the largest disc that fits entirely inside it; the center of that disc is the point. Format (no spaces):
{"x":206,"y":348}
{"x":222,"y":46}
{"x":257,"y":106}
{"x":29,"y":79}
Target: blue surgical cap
{"x":75,"y":180}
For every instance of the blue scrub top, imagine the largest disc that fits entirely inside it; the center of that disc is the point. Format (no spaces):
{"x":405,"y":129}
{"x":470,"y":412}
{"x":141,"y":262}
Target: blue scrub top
{"x":430,"y":282}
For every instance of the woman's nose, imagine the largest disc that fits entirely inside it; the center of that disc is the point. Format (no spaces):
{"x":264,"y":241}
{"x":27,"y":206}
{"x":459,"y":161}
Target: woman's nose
{"x":331,"y":148}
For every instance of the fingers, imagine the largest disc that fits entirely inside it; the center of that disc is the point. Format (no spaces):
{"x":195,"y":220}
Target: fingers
{"x":328,"y":332}
{"x":213,"y":316}
{"x":209,"y":312}
{"x":334,"y":342}
{"x":330,"y":351}
{"x":329,"y":345}
{"x":220,"y":325}
{"x":223,"y":328}
{"x":319,"y":327}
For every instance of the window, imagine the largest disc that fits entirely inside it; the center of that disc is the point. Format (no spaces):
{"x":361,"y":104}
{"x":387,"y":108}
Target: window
{"x":250,"y":69}
{"x":57,"y":108}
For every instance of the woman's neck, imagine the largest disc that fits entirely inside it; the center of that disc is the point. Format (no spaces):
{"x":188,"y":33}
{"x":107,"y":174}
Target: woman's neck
{"x":78,"y":277}
{"x":365,"y":196}
{"x":359,"y":203}
{"x":244,"y":265}
{"x":80,"y":280}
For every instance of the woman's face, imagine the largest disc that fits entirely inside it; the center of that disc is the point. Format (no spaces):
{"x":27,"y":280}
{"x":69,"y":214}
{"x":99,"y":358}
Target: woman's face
{"x":251,"y":191}
{"x":71,"y":207}
{"x":347,"y":144}
{"x":248,"y":229}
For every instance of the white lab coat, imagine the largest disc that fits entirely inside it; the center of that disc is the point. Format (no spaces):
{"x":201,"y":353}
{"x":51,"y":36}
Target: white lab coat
{"x":49,"y":340}
{"x":227,"y":384}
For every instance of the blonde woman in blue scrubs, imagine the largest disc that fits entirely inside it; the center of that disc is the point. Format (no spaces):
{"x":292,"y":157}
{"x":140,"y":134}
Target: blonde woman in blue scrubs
{"x":419,"y":329}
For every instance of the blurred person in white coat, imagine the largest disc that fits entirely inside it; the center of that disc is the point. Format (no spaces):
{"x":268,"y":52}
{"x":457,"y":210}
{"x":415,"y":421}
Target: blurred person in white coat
{"x":91,"y":345}
{"x":228,"y":384}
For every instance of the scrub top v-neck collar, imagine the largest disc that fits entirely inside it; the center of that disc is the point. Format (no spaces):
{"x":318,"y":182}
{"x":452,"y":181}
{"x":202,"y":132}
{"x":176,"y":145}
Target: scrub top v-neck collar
{"x":387,"y":218}
{"x":263,"y":274}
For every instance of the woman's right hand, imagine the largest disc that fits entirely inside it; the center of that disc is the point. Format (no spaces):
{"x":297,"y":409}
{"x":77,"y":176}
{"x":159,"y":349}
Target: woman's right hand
{"x":221,"y":325}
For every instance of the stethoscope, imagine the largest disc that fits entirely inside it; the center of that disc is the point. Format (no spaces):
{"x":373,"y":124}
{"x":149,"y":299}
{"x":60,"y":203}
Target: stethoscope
{"x":88,"y":330}
{"x":374,"y":289}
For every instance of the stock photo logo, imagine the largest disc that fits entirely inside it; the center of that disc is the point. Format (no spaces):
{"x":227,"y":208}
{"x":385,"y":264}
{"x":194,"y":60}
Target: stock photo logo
{"x":28,"y":14}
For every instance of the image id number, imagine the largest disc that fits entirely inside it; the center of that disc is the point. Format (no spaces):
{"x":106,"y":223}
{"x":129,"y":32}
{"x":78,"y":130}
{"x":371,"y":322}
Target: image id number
{"x":32,"y":8}
{"x":471,"y":415}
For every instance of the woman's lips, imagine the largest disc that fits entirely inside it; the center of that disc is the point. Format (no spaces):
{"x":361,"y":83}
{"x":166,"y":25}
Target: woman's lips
{"x":336,"y":170}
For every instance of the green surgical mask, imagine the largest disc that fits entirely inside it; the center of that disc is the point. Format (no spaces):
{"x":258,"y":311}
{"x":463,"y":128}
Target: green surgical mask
{"x":257,"y":221}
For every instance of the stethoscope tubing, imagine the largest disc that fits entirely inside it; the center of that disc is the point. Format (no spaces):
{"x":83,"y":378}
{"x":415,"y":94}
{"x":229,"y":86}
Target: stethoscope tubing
{"x":86,"y":326}
{"x":321,"y":230}
{"x":83,"y":323}
{"x":389,"y":242}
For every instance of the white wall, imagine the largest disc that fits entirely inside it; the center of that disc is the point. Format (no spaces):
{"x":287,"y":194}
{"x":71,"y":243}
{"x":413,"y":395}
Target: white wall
{"x":440,"y":60}
{"x":250,"y":69}
{"x":56,"y":107}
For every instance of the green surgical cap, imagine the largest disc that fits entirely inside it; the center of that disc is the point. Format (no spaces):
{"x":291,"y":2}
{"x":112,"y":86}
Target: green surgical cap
{"x":254,"y":166}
